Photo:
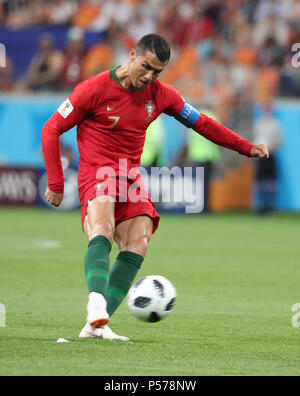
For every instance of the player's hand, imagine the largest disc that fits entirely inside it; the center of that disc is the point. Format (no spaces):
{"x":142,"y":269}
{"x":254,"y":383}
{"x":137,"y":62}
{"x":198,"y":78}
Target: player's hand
{"x":260,"y":151}
{"x":53,"y":198}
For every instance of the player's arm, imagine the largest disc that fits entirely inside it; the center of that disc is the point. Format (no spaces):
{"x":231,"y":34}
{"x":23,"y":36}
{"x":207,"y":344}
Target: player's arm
{"x":208,"y":127}
{"x":218,"y":133}
{"x":71,"y":112}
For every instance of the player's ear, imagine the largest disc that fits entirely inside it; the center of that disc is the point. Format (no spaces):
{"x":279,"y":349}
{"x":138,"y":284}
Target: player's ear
{"x":132,"y":54}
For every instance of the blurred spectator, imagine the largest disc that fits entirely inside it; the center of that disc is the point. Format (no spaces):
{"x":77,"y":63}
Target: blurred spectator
{"x":271,"y":53}
{"x":267,"y":131}
{"x":8,"y":8}
{"x":140,"y":25}
{"x":98,"y":58}
{"x":121,"y":43}
{"x":293,"y":14}
{"x":244,"y":52}
{"x":119,"y":12}
{"x":122,"y":11}
{"x":248,"y":8}
{"x":86,"y":13}
{"x":104,"y":17}
{"x":184,"y":74}
{"x":60,"y":12}
{"x":244,"y":60}
{"x":46,"y":66}
{"x":20,"y":14}
{"x":187,"y":25}
{"x":267,"y":83}
{"x":219,"y":48}
{"x":72,"y":73}
{"x":213,"y":10}
{"x":274,"y":27}
{"x":265,"y":8}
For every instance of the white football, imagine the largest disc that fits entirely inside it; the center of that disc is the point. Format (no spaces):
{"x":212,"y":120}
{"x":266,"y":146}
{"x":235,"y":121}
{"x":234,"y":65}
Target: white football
{"x":151,"y":298}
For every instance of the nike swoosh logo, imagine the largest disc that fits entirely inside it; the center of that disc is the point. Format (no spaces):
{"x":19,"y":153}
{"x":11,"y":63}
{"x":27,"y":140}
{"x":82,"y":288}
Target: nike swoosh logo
{"x":111,"y":108}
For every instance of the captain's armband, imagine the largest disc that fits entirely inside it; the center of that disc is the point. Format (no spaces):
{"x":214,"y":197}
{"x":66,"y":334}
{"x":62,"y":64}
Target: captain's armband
{"x":188,"y":115}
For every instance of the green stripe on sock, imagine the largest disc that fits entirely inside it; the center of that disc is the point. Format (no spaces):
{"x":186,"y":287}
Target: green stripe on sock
{"x":97,"y":274}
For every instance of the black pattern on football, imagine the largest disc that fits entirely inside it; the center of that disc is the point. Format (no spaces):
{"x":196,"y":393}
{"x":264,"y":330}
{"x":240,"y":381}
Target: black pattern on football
{"x":154,"y":317}
{"x":159,"y":286}
{"x":170,"y":305}
{"x":142,"y":302}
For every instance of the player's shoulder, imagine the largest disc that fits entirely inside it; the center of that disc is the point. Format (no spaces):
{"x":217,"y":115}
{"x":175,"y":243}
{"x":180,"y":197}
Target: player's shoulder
{"x":166,"y":94}
{"x":167,"y":98}
{"x":163,"y":87}
{"x":93,"y":87}
{"x":99,"y":80}
{"x":158,"y":85}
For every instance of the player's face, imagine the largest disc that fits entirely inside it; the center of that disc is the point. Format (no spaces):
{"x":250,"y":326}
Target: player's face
{"x":144,"y":68}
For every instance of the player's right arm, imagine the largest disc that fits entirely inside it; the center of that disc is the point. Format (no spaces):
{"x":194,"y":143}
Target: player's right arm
{"x":71,"y":112}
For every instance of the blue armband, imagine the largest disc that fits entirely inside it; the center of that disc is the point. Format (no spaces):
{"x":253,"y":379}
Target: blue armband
{"x":188,"y":116}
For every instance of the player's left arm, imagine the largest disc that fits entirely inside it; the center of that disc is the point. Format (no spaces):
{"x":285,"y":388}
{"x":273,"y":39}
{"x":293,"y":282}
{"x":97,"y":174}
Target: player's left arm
{"x":208,"y":127}
{"x":218,"y":133}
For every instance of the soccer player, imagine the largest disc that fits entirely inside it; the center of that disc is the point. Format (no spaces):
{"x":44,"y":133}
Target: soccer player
{"x":112,"y":111}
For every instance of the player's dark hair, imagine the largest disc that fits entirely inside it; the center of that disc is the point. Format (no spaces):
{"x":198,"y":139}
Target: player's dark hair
{"x":155,"y":44}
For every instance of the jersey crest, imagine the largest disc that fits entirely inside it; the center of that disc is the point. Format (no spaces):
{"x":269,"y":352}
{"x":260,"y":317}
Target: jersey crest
{"x":150,"y":108}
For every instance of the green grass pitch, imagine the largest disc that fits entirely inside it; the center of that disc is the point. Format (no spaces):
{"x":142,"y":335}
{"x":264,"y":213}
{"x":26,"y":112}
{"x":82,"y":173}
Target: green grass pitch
{"x":237,"y":277}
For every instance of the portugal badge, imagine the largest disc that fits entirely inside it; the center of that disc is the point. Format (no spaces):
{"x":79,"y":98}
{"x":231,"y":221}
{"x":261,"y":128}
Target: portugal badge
{"x":150,"y":108}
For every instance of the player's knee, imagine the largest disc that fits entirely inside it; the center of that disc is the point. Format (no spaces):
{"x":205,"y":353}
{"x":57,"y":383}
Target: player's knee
{"x":102,"y":228}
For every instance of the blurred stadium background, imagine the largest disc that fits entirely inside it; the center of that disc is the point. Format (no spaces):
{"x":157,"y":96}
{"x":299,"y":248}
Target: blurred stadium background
{"x":231,"y":59}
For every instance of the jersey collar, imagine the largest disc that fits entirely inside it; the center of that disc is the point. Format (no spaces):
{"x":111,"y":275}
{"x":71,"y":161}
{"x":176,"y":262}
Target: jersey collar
{"x":113,"y":75}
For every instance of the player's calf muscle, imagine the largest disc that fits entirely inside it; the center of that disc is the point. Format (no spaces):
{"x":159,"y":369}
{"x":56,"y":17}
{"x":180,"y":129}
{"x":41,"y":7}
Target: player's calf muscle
{"x":136,"y":244}
{"x":134,"y":235}
{"x":101,"y":228}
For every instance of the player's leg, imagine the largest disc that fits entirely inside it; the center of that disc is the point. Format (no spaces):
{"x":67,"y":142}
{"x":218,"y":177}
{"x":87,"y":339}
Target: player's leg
{"x":100,"y":218}
{"x":99,"y":228}
{"x":132,"y":237}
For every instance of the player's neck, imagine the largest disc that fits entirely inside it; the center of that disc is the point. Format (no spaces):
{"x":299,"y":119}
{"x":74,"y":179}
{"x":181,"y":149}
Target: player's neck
{"x":122,"y":75}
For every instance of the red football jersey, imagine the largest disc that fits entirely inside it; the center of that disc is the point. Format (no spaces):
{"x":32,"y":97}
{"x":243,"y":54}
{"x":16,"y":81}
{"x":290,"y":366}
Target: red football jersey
{"x":111,"y":126}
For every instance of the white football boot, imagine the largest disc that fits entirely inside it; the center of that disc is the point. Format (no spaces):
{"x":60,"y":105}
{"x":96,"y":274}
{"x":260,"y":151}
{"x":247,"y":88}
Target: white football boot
{"x":97,"y":315}
{"x":105,"y":333}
